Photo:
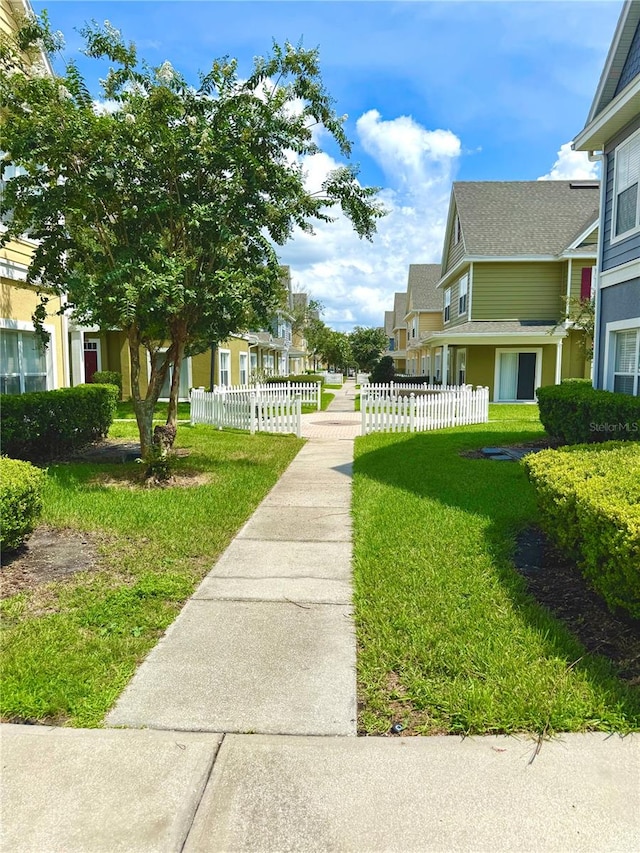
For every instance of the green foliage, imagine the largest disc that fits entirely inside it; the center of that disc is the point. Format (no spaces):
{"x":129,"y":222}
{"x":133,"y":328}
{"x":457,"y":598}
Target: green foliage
{"x":589,"y":500}
{"x":20,"y":501}
{"x":48,"y":424}
{"x":159,"y":217}
{"x":108,"y":377}
{"x":384,"y":370}
{"x":336,"y":350}
{"x":366,"y":345}
{"x":576,"y":413}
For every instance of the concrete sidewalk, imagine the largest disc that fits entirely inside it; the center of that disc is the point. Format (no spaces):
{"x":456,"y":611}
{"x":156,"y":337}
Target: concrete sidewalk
{"x":74,"y":791}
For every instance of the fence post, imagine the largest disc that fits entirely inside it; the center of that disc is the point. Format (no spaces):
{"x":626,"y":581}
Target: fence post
{"x":298,"y":416}
{"x":319,"y":395}
{"x":252,"y":417}
{"x":412,"y":412}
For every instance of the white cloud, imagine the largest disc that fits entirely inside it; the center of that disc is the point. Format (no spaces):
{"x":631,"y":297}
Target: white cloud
{"x":355,"y":279}
{"x":572,"y":166}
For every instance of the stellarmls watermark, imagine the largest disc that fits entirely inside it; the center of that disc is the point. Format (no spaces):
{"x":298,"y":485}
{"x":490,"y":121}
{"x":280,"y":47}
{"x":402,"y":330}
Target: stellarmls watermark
{"x":628,"y":426}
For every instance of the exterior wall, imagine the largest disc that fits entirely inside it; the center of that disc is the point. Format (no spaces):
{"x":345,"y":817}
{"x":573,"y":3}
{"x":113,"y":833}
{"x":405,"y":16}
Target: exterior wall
{"x":629,"y":248}
{"x":632,"y":64}
{"x":455,"y":254}
{"x":430,"y":322}
{"x":574,"y":363}
{"x":518,"y":291}
{"x":577,"y":266}
{"x":201,"y":363}
{"x":8,"y":20}
{"x":618,"y":302}
{"x":481,"y":364}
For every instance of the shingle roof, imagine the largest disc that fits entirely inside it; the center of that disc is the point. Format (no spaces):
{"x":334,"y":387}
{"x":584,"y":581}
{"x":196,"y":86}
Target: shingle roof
{"x":399,"y":309}
{"x":423,"y":283}
{"x":502,"y":327}
{"x":389,"y":317}
{"x":508,"y":218}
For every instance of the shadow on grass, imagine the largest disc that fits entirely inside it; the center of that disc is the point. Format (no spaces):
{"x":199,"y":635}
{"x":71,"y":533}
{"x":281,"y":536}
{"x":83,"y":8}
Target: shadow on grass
{"x":430,"y":466}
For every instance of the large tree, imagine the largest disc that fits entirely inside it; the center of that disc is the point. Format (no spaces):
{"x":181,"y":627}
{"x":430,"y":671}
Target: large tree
{"x":158,"y":204}
{"x":367,"y":345}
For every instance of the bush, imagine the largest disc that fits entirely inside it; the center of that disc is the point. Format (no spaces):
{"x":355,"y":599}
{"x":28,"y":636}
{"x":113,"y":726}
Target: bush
{"x":47,"y":424}
{"x":589,"y":498}
{"x":20,"y":501}
{"x":384,"y":371}
{"x":576,"y":413}
{"x":108,"y":377}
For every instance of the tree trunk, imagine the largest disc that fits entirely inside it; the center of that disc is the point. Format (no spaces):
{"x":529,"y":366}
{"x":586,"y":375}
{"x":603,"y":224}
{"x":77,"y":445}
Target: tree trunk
{"x":172,"y":414}
{"x":144,"y":407}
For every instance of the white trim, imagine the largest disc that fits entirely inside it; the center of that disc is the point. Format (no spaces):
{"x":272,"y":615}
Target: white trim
{"x":12,"y":270}
{"x":50,"y":351}
{"x":620,"y":274}
{"x":585,"y":233}
{"x":569,"y":271}
{"x":614,"y":238}
{"x":559,"y":362}
{"x":470,"y":296}
{"x":609,"y":343}
{"x":609,"y":121}
{"x":612,"y":55}
{"x":496,"y":376}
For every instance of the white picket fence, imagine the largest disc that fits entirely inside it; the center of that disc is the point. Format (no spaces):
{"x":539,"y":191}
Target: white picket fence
{"x":310,"y":393}
{"x":395,"y":389}
{"x":362,"y":378}
{"x":333,"y":378}
{"x":250,"y":409}
{"x":453,"y":407}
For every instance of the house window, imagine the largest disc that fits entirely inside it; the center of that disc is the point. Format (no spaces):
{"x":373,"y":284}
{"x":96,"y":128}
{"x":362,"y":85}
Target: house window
{"x":461,"y":364}
{"x":253,"y":358}
{"x":447,"y":304}
{"x":243,"y":368}
{"x":462,"y":298}
{"x":392,"y":344}
{"x":438,"y":376}
{"x":414,"y":327}
{"x":457,"y":233}
{"x":225,"y":368}
{"x":24,"y":363}
{"x":626,"y":371}
{"x":625,"y":196}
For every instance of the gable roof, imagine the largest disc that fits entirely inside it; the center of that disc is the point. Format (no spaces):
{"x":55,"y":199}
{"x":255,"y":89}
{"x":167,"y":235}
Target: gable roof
{"x":388,"y":323}
{"x":617,"y":98}
{"x":399,"y":309}
{"x":422,"y":293}
{"x":523,"y":218}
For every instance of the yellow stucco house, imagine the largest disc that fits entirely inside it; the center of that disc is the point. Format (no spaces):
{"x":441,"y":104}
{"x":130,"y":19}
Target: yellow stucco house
{"x":24,"y":364}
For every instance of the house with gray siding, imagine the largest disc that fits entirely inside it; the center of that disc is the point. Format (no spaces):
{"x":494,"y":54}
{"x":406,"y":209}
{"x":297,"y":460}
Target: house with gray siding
{"x":612,"y":134}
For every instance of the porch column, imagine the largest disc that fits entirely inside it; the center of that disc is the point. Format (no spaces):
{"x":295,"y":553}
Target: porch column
{"x":559,"y":361}
{"x":77,"y":357}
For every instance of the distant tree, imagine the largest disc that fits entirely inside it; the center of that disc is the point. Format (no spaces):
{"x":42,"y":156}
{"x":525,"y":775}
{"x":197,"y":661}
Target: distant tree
{"x":384,"y":371}
{"x":337,"y":350}
{"x":156,"y":212}
{"x":367,"y":344}
{"x":316,"y":335}
{"x":305,"y":310}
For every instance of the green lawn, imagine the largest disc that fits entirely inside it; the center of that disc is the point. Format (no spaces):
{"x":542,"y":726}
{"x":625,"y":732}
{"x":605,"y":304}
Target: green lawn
{"x":449,"y":640}
{"x":70,"y":648}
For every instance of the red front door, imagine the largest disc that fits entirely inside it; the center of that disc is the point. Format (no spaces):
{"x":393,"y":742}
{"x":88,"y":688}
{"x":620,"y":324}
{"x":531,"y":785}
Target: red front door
{"x":90,"y":362}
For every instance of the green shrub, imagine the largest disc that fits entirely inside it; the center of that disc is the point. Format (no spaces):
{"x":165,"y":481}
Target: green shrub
{"x":47,"y":424}
{"x":384,"y":371}
{"x":589,"y":498}
{"x":20,"y":501}
{"x":576,"y":413}
{"x":108,"y":377}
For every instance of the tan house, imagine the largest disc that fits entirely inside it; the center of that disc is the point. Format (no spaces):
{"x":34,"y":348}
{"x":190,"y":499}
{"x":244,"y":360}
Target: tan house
{"x":514,"y":252}
{"x":424,"y":315}
{"x":398,"y":337}
{"x":24,"y":364}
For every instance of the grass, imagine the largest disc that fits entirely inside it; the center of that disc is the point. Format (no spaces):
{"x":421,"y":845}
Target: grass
{"x":449,"y":639}
{"x":69,"y":648}
{"x":124,"y":411}
{"x":338,"y":387}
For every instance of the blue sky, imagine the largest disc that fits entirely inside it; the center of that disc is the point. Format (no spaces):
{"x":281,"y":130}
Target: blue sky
{"x":434,"y":92}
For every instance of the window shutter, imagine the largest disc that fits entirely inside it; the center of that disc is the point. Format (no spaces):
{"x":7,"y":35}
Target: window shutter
{"x":585,"y":283}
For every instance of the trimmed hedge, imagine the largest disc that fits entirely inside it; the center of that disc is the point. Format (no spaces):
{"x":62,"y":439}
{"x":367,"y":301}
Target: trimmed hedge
{"x":401,"y":379}
{"x":589,"y":498}
{"x":576,"y":413}
{"x":21,"y":486}
{"x":47,"y":424}
{"x":108,"y":377}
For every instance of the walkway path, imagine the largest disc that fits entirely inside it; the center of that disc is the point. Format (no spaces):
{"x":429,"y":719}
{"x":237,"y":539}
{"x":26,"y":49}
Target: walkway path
{"x":266,"y":647}
{"x":266,"y":644}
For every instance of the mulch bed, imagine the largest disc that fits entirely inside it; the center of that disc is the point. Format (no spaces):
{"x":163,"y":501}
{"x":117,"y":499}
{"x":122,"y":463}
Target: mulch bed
{"x":557,"y":584}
